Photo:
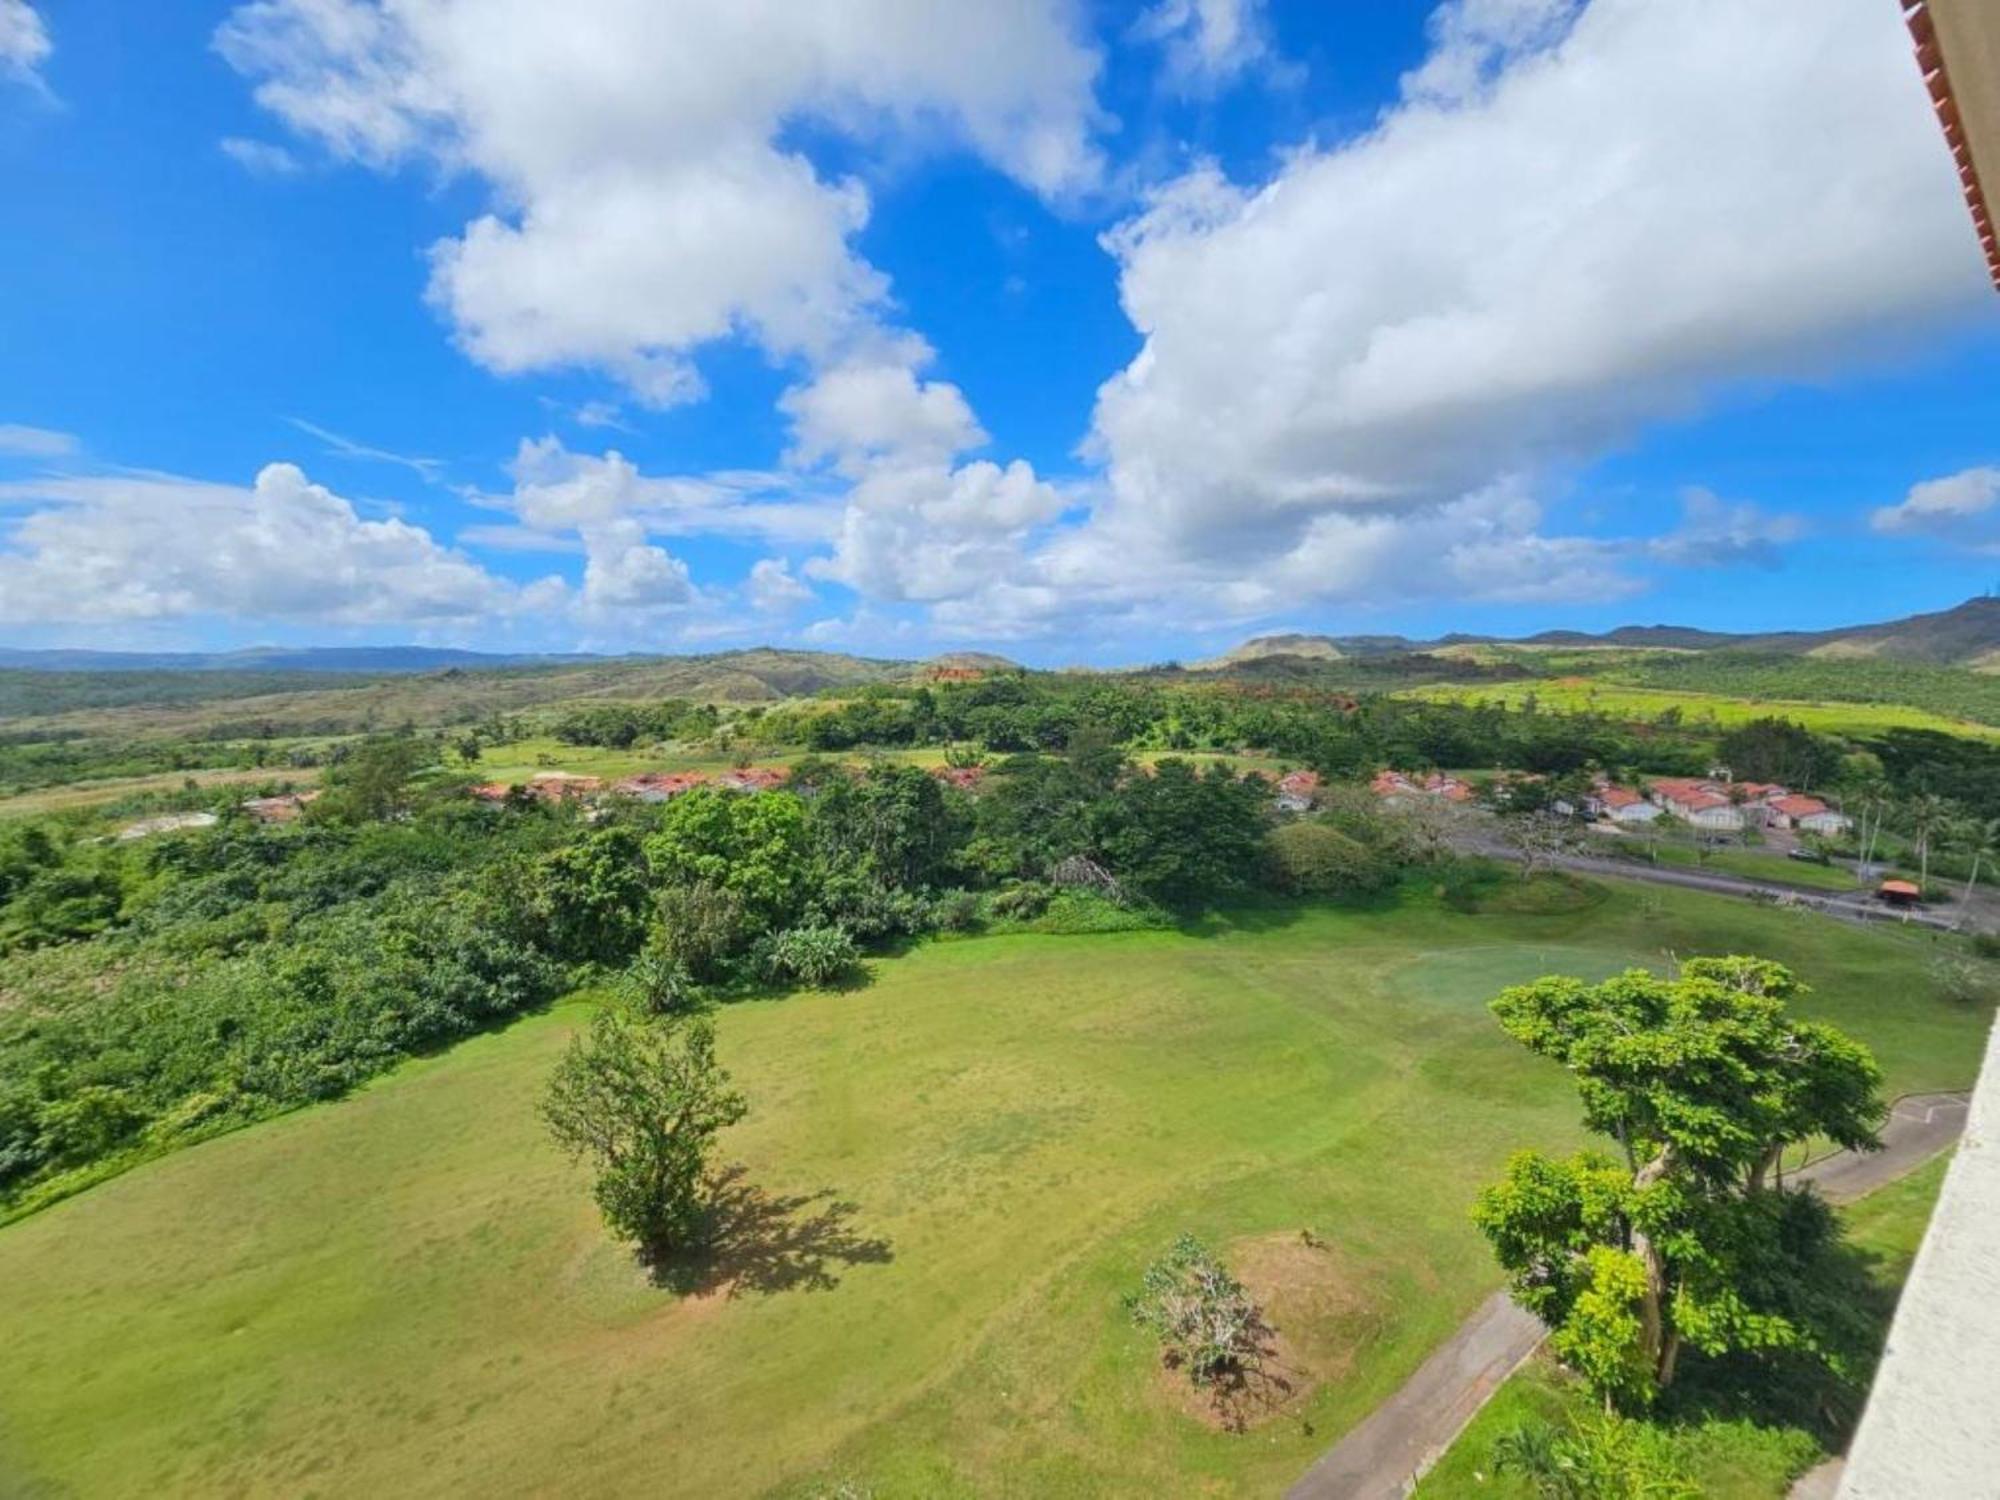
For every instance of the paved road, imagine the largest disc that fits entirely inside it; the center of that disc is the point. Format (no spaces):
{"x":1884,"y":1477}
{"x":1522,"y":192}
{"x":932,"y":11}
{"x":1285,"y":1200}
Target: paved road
{"x":1919,"y":1127}
{"x":1383,"y":1457}
{"x":1851,"y":909}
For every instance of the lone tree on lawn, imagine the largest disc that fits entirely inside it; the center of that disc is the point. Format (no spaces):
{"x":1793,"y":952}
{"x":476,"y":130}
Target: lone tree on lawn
{"x":644,"y":1102}
{"x":1684,"y":1236}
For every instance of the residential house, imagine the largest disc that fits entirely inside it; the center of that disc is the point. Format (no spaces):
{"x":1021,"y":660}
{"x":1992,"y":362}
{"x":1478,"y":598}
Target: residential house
{"x":752,"y":779}
{"x":1623,"y":805}
{"x":1807,"y":814}
{"x":1296,"y":790}
{"x":660,"y":786}
{"x":1700,"y":804}
{"x":1394,"y":786}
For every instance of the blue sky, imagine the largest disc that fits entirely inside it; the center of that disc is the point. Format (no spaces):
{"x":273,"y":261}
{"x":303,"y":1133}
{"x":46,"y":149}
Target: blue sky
{"x":1083,"y":332}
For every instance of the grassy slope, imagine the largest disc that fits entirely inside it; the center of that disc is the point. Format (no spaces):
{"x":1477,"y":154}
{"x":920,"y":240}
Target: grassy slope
{"x":1736,"y":1462}
{"x":408,"y":1293}
{"x":1578,"y":694}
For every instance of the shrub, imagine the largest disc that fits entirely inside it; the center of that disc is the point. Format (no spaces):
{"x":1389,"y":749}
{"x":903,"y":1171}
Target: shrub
{"x":1023,"y":902}
{"x":816,"y":956}
{"x":1315,"y":859}
{"x":1962,"y":980}
{"x":657,"y":984}
{"x":1205,"y":1320}
{"x":869,"y":910}
{"x":702,"y":927}
{"x":1601,"y":1458}
{"x":955,"y":911}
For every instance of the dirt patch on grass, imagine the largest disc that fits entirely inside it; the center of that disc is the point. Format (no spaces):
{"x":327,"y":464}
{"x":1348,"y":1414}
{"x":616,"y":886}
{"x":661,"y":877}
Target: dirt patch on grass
{"x":1317,"y":1312}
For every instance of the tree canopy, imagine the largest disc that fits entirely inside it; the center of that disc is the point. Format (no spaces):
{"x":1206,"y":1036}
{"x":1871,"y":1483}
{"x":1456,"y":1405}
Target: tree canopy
{"x":1702,"y":1079}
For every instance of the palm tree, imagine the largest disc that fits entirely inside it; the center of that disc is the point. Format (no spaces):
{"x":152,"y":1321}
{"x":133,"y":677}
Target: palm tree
{"x":1871,"y":796}
{"x":1979,"y":837}
{"x":1929,"y":815}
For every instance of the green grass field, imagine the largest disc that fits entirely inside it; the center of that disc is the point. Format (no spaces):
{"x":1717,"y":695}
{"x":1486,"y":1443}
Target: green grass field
{"x":1731,"y":1461}
{"x":1592,"y":695}
{"x":1751,"y":864}
{"x":953,"y":1175}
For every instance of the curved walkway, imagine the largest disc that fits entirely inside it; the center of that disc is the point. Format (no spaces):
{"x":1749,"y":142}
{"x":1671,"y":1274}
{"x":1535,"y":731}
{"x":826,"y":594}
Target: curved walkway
{"x":1383,"y":1457}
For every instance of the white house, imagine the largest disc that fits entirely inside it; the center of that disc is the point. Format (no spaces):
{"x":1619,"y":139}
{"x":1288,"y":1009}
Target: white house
{"x":1808,"y":814}
{"x":1623,"y":805}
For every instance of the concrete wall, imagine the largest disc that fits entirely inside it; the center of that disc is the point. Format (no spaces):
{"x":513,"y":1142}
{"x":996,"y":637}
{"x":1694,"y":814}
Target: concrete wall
{"x":1932,"y":1427}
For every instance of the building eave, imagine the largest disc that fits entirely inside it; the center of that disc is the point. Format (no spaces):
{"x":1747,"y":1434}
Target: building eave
{"x":1965,"y":35}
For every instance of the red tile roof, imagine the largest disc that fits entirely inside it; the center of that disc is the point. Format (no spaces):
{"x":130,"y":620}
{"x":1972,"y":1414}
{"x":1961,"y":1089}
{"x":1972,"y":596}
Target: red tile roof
{"x":1799,"y":807}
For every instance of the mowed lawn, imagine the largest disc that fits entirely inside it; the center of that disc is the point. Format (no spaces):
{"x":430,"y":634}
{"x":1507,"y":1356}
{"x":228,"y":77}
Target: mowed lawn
{"x":408,"y":1292}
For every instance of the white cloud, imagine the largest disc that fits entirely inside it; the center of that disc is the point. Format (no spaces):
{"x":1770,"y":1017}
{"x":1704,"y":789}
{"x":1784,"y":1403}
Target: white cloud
{"x":17,"y":441}
{"x":668,"y":213}
{"x":1207,"y":43}
{"x":624,"y":574}
{"x":556,"y":490}
{"x":259,"y":158}
{"x":874,"y":407}
{"x":24,"y":39}
{"x":773,"y":590}
{"x":1560,"y":233}
{"x":929,"y":532}
{"x":1962,"y":508}
{"x":128,"y":547}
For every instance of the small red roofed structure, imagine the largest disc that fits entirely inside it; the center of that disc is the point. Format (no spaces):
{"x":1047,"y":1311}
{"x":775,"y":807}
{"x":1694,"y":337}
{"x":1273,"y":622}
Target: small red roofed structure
{"x":1899,"y":893}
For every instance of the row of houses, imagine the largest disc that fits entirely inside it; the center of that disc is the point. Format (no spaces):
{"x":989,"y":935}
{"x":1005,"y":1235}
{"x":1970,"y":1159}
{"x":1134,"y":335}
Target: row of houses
{"x":1731,"y":806}
{"x":1711,"y":804}
{"x":1394,"y":786}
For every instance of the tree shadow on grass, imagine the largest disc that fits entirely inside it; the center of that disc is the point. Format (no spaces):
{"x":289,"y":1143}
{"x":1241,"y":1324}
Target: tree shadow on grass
{"x":1777,"y":1388}
{"x":1251,"y":1389}
{"x":766,"y":1243}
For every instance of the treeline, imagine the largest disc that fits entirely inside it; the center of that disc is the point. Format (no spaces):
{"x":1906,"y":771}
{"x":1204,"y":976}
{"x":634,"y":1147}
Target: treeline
{"x":1335,"y":734}
{"x":183,"y":984}
{"x":622,"y":725}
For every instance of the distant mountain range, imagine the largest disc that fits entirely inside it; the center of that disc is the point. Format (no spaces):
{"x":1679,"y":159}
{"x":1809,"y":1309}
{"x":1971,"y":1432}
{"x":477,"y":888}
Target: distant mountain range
{"x":1967,"y":635}
{"x":375,"y":660}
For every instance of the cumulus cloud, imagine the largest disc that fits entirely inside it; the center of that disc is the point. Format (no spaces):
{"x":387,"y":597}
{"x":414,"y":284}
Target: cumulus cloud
{"x":1963,"y":508}
{"x":772,"y":588}
{"x":871,"y":408}
{"x":24,"y":39}
{"x":17,"y":441}
{"x":1574,"y":221}
{"x":669,"y":213}
{"x":623,"y":573}
{"x":96,"y":549}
